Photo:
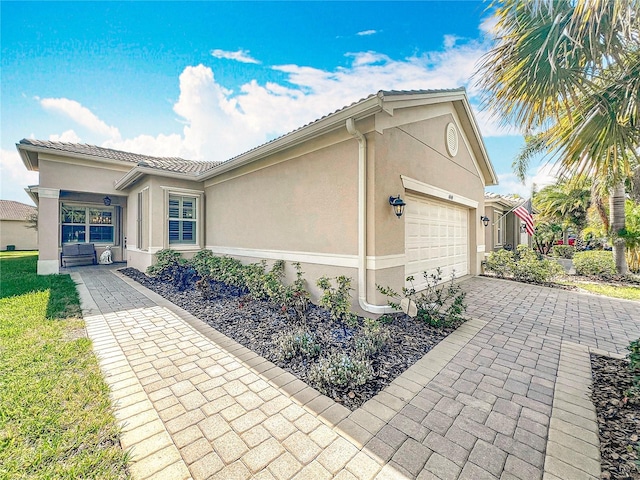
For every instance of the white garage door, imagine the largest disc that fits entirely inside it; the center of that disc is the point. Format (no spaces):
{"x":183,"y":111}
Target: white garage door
{"x":436,"y":235}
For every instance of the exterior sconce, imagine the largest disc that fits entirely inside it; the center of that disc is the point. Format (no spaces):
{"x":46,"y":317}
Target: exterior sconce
{"x":107,"y":201}
{"x":485,"y":220}
{"x":397,"y":204}
{"x":523,"y":228}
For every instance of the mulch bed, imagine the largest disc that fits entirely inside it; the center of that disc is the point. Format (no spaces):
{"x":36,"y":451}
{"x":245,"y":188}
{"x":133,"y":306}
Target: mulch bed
{"x":618,"y":418}
{"x":258,"y":324}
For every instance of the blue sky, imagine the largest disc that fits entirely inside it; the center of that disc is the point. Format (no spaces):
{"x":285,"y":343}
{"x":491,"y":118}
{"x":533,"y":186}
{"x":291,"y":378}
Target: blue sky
{"x":209,"y":80}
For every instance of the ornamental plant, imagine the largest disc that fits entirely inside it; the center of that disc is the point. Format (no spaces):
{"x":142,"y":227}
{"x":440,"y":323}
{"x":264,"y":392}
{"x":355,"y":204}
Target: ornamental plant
{"x":338,"y":300}
{"x":438,"y":304}
{"x":595,"y":262}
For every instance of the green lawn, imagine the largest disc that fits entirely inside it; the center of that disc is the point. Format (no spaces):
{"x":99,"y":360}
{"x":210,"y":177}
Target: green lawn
{"x":616,"y":291}
{"x":55,"y":414}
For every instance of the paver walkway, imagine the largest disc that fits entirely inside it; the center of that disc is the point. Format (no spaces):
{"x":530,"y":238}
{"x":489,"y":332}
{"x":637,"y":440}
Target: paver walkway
{"x":504,"y":397}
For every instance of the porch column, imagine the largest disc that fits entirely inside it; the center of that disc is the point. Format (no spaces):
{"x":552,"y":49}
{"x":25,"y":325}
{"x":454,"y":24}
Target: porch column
{"x":48,"y":228}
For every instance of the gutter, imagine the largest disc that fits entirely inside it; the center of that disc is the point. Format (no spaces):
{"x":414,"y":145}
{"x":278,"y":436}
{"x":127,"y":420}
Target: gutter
{"x":139,"y":171}
{"x":362,"y":222}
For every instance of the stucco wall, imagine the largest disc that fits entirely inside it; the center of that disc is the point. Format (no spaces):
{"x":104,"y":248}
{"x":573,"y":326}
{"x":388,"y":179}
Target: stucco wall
{"x":79,"y":175}
{"x":15,"y":232}
{"x":305,"y":204}
{"x":154,"y":216}
{"x":417,"y":150}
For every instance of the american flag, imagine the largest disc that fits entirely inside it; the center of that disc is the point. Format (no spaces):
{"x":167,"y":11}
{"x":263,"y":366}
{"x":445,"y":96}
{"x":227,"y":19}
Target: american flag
{"x":523,"y":212}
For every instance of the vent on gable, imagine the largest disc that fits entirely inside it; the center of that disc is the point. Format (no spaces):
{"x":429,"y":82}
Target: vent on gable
{"x":452,"y":139}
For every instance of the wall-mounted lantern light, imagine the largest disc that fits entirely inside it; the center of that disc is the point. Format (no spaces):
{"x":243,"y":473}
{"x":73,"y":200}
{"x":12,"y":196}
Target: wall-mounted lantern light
{"x":397,"y":204}
{"x":485,"y":220}
{"x":107,"y":201}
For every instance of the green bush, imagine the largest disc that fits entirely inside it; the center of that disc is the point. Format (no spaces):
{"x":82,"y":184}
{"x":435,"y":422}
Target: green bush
{"x":529,"y":268}
{"x":523,"y":265}
{"x":634,"y":367}
{"x":338,"y":300}
{"x":502,"y":263}
{"x":298,"y":343}
{"x":372,"y":337}
{"x":563,"y":251}
{"x":599,"y":263}
{"x":342,"y":371}
{"x":439,"y":304}
{"x":166,"y":259}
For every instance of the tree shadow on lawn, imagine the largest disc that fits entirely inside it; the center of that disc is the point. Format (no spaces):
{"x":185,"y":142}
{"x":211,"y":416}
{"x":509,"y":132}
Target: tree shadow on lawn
{"x":18,"y":277}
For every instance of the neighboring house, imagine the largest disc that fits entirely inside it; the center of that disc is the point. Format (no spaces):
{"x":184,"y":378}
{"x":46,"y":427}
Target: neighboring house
{"x":318,"y":195}
{"x":505,"y":230}
{"x":14,"y":226}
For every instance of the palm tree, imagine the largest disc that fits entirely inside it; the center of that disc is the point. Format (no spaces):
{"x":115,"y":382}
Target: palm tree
{"x":570,"y":71}
{"x":565,"y":203}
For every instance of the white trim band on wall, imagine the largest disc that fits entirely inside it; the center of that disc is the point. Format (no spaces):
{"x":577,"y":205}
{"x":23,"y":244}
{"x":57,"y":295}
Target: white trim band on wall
{"x":436,"y":192}
{"x":335,"y":260}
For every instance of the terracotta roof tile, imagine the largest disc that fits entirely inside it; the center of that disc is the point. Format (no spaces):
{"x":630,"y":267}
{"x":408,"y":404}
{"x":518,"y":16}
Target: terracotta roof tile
{"x":173,"y":164}
{"x":11,"y":210}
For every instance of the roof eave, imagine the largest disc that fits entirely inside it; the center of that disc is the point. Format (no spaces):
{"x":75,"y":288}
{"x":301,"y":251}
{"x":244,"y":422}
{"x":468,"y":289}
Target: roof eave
{"x":491,"y":178}
{"x":135,"y":174}
{"x":25,"y":149}
{"x":363,"y":109}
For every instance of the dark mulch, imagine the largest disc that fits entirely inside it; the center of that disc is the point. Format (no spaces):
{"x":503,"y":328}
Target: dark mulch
{"x":618,"y":418}
{"x":257,"y":325}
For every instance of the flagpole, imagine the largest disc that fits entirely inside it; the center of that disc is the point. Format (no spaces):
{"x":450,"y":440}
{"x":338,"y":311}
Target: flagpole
{"x":507,"y":213}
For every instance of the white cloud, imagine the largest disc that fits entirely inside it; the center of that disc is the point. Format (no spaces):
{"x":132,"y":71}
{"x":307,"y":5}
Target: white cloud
{"x":239,"y":55}
{"x":543,"y":175}
{"x":220,"y":123}
{"x":365,"y":33}
{"x":15,"y":177}
{"x":68,"y":136}
{"x":81,"y":115}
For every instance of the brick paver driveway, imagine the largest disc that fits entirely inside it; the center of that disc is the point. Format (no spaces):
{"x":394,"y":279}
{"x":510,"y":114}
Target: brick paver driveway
{"x":503,"y":397}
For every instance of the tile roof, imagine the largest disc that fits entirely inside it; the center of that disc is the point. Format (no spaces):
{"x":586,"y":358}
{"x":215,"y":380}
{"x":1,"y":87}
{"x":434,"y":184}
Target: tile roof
{"x":507,"y":198}
{"x":380,"y":93}
{"x":173,"y":164}
{"x":11,"y":210}
{"x":181,"y":165}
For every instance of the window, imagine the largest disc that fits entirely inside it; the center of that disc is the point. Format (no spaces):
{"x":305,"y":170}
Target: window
{"x":499,"y":227}
{"x":82,"y":224}
{"x":182,"y":219}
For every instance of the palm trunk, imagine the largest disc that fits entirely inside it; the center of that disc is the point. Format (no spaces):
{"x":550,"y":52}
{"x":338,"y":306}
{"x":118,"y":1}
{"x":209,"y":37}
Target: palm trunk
{"x":616,"y":207}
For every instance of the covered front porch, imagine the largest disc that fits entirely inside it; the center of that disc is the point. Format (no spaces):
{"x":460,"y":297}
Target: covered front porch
{"x":73,"y":217}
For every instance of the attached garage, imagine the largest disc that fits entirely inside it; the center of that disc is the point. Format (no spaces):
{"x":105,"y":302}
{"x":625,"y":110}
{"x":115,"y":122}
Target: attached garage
{"x":436,"y":235}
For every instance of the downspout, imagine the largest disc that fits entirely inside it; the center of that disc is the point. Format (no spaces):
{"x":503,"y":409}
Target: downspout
{"x":362,"y":223}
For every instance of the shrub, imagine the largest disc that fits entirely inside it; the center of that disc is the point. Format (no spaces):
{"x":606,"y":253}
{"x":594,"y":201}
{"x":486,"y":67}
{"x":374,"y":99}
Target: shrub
{"x":634,"y":367}
{"x":529,"y":268}
{"x":342,"y":371}
{"x":300,"y":342}
{"x":563,"y":251}
{"x":201,"y":262}
{"x":165,"y":259}
{"x":338,"y":300}
{"x":502,"y":263}
{"x":599,"y":263}
{"x":372,"y":338}
{"x":295,"y":295}
{"x":523,"y":265}
{"x":438,"y":304}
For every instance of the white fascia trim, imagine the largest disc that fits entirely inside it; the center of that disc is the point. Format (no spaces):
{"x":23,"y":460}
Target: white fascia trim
{"x":136,"y":173}
{"x":336,"y":260}
{"x":187,"y":191}
{"x":478,"y":135}
{"x":386,"y":261}
{"x":48,"y":267}
{"x":432,"y":191}
{"x":44,"y":192}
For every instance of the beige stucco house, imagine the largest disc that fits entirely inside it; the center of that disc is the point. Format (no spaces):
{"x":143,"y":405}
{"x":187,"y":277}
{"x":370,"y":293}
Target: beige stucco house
{"x":15,"y":229}
{"x":505,"y":229}
{"x":319,"y":195}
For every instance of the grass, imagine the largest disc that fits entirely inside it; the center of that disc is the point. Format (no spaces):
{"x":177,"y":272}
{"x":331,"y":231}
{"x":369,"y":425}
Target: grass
{"x":55,"y":414}
{"x":615,"y":291}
